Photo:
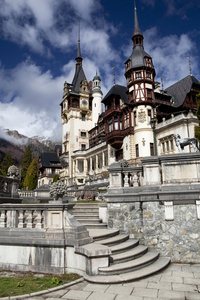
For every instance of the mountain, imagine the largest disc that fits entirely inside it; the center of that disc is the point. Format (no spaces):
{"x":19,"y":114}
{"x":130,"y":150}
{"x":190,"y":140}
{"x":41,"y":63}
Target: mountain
{"x":15,"y":142}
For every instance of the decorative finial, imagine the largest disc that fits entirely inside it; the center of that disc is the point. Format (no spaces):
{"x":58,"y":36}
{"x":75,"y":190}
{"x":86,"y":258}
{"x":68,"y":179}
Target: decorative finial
{"x":190,"y":67}
{"x":79,"y":41}
{"x":114,"y":74}
{"x":162,"y":85}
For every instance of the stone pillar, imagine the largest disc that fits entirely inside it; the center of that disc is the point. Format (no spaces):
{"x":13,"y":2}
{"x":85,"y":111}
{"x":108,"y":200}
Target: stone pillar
{"x":85,"y":166}
{"x":103,"y":159}
{"x":198,"y":209}
{"x":90,"y":164}
{"x":169,"y":210}
{"x":96,"y":162}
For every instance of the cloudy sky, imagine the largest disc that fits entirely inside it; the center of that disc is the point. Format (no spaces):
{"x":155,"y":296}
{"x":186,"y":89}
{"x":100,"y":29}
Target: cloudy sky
{"x":38,"y":47}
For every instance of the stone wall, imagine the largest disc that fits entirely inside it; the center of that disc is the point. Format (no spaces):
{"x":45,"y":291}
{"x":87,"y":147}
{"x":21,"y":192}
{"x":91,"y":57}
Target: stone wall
{"x":146,"y":221}
{"x":178,"y":238}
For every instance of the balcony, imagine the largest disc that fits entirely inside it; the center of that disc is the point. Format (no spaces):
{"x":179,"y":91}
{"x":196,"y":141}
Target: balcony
{"x":115,"y":137}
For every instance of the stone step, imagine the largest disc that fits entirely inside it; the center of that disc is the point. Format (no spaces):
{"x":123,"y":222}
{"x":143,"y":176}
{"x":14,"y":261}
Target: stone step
{"x":153,"y":268}
{"x":96,"y":226}
{"x":100,"y":234}
{"x":129,"y":266}
{"x":124,"y":246}
{"x":86,"y":214}
{"x":89,"y":221}
{"x":115,"y":240}
{"x":128,"y":255}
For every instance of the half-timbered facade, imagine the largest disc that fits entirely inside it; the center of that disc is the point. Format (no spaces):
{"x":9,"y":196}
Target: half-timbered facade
{"x":140,"y":119}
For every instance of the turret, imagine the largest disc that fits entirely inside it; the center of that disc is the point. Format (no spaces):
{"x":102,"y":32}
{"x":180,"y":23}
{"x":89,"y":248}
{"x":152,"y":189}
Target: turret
{"x":97,"y":97}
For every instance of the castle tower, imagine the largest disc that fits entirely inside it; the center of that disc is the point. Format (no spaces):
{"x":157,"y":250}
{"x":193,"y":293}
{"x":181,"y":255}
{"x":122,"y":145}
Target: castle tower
{"x":76,"y":113}
{"x":140,"y":73}
{"x":97,"y":97}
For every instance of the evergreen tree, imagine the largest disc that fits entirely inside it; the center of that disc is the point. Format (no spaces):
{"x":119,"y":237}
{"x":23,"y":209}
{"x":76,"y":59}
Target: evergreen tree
{"x":7,"y":162}
{"x":26,"y":161}
{"x":0,"y":166}
{"x":197,"y":128}
{"x":30,"y":180}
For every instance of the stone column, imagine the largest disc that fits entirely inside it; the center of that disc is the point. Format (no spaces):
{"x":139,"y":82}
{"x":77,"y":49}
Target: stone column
{"x":96,"y":162}
{"x":103,"y":159}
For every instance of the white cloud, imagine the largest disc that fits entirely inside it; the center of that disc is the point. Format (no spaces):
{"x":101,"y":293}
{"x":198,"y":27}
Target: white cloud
{"x":32,"y":100}
{"x":170,"y":55}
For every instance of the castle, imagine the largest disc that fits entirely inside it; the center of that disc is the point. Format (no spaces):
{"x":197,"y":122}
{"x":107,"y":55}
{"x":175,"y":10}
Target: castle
{"x":139,"y":120}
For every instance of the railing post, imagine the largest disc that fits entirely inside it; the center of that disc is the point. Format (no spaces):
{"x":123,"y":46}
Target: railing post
{"x":126,"y":179}
{"x":3,"y":219}
{"x":21,"y":219}
{"x":30,"y":219}
{"x":38,"y":219}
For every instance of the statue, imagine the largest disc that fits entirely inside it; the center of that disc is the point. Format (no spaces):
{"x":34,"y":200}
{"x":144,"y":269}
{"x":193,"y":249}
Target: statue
{"x":13,"y":172}
{"x":181,"y":143}
{"x":58,"y":190}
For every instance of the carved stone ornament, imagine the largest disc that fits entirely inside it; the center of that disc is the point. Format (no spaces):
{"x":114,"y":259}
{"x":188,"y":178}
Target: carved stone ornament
{"x":141,"y":116}
{"x":13,"y":172}
{"x":57,"y":190}
{"x":124,"y":163}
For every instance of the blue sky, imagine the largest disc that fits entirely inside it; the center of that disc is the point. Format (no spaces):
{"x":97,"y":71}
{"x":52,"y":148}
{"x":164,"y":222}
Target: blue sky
{"x":38,"y":46}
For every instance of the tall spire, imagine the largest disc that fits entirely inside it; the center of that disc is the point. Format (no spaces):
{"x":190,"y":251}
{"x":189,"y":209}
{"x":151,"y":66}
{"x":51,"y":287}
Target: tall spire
{"x":79,"y":58}
{"x":137,"y":36}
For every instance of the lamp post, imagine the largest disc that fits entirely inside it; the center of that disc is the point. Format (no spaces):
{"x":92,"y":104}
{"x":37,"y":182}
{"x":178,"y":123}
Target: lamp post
{"x":153,"y":126}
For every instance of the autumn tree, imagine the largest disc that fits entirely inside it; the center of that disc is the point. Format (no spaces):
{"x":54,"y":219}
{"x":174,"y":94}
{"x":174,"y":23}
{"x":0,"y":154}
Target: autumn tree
{"x":56,"y":178}
{"x":30,"y":180}
{"x":26,"y":161}
{"x":7,"y":162}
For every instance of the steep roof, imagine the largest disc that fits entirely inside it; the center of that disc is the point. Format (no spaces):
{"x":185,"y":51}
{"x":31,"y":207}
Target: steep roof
{"x":79,"y":76}
{"x":137,"y":57}
{"x":117,"y":90}
{"x":180,"y":89}
{"x":49,"y":160}
{"x":137,"y":30}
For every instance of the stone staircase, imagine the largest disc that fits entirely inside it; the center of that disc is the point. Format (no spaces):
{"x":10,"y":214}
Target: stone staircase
{"x":88,"y":215}
{"x":128,"y":261}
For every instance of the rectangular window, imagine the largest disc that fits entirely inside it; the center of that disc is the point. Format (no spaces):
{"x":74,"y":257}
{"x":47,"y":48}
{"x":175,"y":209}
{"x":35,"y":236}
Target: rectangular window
{"x":172,"y":144}
{"x":163,"y":147}
{"x":83,"y":147}
{"x":83,"y":117}
{"x":135,"y":118}
{"x":83,"y":134}
{"x":138,"y":75}
{"x":151,"y":149}
{"x":149,"y":116}
{"x":137,"y":150}
{"x":148,"y":94}
{"x":167,"y":145}
{"x":148,"y":75}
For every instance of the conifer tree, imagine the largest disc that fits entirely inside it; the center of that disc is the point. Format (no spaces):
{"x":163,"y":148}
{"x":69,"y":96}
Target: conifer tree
{"x":26,"y":161}
{"x":30,"y":180}
{"x":7,"y":162}
{"x":0,"y":165}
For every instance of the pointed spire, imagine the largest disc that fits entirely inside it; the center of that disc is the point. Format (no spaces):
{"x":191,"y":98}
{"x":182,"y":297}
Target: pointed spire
{"x":137,"y":36}
{"x":79,"y":58}
{"x":137,"y":30}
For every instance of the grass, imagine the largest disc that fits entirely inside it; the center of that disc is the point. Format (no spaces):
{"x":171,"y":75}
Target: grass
{"x":30,"y":283}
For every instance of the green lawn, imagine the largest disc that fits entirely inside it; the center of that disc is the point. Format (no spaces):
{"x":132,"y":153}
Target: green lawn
{"x":28,"y":283}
